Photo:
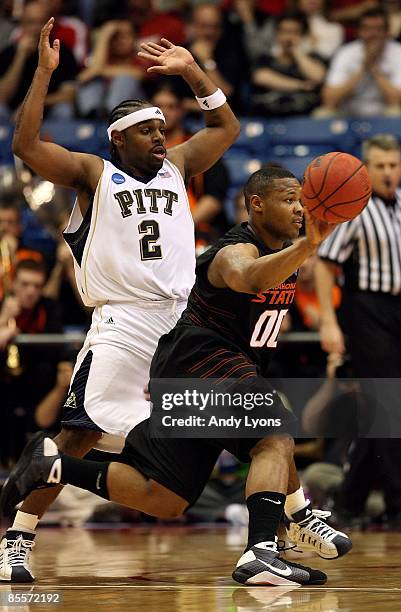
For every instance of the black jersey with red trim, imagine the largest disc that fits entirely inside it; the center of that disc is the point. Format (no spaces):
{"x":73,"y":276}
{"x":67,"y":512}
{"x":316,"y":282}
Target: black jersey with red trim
{"x":247,"y":321}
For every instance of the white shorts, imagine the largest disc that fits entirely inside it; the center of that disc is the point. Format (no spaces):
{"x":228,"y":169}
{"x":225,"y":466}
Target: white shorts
{"x":112,"y":368}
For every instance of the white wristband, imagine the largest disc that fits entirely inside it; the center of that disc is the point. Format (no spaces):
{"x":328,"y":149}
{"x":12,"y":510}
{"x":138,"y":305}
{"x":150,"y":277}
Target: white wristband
{"x":211,"y":102}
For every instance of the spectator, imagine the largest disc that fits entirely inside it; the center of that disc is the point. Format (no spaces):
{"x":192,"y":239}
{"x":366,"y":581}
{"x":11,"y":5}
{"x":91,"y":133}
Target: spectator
{"x":28,"y":371}
{"x":269,"y":7}
{"x":18,"y":63}
{"x":48,"y":411}
{"x":6,"y":25}
{"x":348,"y":12}
{"x":257,"y":29}
{"x":206,"y":192}
{"x":393,"y":9}
{"x":10,"y":230}
{"x":364,"y":77}
{"x":324,"y":36}
{"x":150,"y":25}
{"x":287,"y":81}
{"x":62,"y":286}
{"x":115,"y":71}
{"x":71,"y":31}
{"x":102,"y":11}
{"x":26,"y":310}
{"x":219,"y":55}
{"x":11,"y":246}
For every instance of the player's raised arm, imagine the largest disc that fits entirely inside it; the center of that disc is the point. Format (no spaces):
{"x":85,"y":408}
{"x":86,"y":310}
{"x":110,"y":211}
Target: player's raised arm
{"x":52,"y":162}
{"x":201,"y":151}
{"x":240,"y":268}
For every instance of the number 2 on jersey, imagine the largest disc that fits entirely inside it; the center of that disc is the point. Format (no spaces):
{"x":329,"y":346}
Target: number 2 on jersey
{"x":150,"y":250}
{"x":267,"y":328}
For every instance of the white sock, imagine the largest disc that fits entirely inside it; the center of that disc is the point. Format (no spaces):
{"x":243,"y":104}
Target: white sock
{"x":25,"y":522}
{"x":295,"y":502}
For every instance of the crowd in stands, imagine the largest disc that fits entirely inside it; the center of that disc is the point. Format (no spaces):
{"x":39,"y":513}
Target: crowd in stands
{"x":272,"y":58}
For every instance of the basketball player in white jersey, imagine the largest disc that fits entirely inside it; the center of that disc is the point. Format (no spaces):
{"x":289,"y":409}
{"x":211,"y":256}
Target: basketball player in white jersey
{"x":132,"y":238}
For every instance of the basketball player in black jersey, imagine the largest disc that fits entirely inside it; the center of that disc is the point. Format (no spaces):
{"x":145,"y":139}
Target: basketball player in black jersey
{"x":243,"y":288}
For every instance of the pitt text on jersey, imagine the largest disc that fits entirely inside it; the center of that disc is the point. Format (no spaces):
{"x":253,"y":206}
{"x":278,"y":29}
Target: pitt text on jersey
{"x":146,"y":200}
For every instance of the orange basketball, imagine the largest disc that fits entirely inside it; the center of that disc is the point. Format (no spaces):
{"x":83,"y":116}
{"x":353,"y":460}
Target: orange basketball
{"x":336,"y":187}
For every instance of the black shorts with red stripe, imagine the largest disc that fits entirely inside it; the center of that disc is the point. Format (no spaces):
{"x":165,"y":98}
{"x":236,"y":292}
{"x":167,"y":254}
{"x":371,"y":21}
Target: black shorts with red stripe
{"x":199,"y":352}
{"x":184,"y":465}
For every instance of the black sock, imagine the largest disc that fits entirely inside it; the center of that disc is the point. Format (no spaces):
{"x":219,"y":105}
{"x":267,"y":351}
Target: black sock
{"x":265,"y":510}
{"x":85,"y":474}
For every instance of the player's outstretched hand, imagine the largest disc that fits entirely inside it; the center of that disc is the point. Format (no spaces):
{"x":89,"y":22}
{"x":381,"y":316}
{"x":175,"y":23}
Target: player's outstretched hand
{"x":316,"y":230}
{"x":49,"y":56}
{"x":166,"y":57}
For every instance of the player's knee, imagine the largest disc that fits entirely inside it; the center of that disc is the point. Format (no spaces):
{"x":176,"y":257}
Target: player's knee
{"x":164,"y":503}
{"x":175,"y":509}
{"x":282,"y":444}
{"x":76,"y":442}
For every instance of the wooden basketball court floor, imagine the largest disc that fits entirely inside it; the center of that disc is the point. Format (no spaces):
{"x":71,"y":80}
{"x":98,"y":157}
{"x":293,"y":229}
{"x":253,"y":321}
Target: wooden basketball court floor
{"x":180,"y":569}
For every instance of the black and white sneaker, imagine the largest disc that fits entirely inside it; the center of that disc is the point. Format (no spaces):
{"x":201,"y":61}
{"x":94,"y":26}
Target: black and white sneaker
{"x":308,"y":530}
{"x":15,"y":549}
{"x":261,"y":565}
{"x":39,"y":466}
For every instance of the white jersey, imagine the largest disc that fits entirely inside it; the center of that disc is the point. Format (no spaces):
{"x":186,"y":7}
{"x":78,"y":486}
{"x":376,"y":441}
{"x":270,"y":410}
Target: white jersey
{"x":136,"y":240}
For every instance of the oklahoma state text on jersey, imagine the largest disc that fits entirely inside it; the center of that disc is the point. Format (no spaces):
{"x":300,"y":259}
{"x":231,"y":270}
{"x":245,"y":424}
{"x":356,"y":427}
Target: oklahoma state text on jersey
{"x":251,"y":323}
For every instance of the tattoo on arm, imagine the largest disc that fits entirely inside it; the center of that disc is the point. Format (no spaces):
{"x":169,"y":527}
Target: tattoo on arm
{"x":21,"y":111}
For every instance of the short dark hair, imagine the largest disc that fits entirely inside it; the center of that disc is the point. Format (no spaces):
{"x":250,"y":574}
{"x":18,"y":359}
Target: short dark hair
{"x":261,"y":181}
{"x":372,"y":13}
{"x":32,"y":265}
{"x":121,"y":110}
{"x":297,"y":16}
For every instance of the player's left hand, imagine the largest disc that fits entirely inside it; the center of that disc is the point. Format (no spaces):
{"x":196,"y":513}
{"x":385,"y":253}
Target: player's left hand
{"x":166,"y":57}
{"x":316,"y":230}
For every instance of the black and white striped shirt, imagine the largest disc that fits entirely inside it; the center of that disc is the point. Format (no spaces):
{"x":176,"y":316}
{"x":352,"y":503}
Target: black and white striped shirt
{"x":369,"y":247}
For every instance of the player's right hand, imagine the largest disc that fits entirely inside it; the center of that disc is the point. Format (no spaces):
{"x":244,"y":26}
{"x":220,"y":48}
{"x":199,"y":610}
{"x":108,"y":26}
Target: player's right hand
{"x":49,"y":56}
{"x":332,"y":338}
{"x":315,"y":229}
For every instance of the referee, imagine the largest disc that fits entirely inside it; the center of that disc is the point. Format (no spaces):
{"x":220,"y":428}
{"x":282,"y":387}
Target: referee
{"x":368,"y":250}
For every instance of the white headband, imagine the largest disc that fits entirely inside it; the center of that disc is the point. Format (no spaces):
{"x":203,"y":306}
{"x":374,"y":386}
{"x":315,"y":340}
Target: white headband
{"x":136,"y":117}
